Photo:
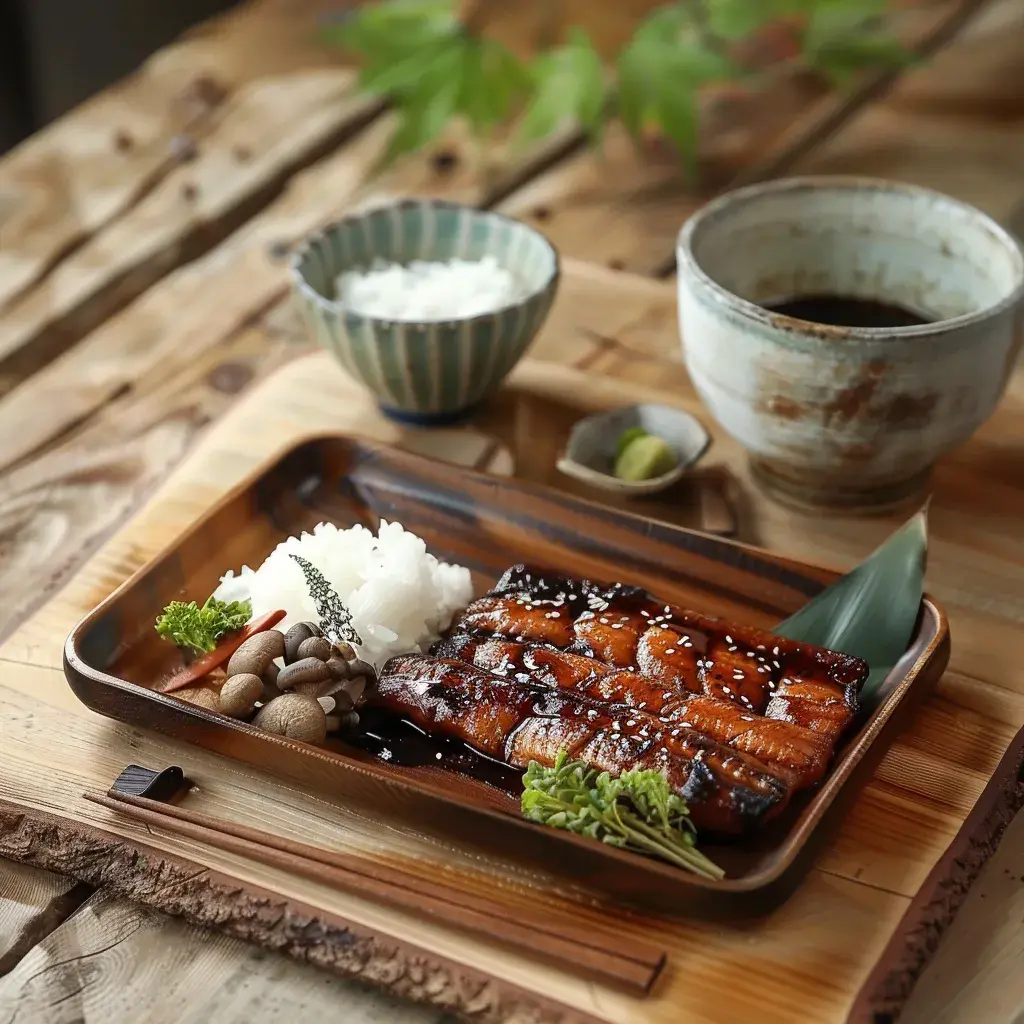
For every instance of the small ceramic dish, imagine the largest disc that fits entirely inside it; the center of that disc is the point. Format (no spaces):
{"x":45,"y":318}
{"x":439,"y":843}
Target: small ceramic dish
{"x":593,"y":446}
{"x":425,"y":372}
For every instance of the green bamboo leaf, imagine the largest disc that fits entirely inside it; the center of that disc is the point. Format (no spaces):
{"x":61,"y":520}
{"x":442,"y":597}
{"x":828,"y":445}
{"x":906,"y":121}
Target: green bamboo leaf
{"x":870,"y":612}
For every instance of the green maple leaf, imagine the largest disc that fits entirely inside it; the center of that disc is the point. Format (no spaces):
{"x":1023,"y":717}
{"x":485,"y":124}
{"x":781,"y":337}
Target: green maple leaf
{"x":660,"y":74}
{"x":569,"y":84}
{"x":843,"y":37}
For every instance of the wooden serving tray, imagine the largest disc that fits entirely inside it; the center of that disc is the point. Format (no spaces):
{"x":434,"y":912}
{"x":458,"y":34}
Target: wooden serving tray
{"x":114,"y":657}
{"x":804,"y":961}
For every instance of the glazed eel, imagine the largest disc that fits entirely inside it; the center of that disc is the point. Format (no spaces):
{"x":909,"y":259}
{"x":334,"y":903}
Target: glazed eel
{"x":797,"y":755}
{"x":727,"y":791}
{"x":625,"y":627}
{"x":735,"y":718}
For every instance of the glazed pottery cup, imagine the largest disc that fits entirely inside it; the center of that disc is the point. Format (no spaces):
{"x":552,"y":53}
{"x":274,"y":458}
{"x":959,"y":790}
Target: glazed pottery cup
{"x":848,"y":417}
{"x":425,"y":372}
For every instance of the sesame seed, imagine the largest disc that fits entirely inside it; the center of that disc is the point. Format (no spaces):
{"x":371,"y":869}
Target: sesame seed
{"x":725,"y":689}
{"x":775,"y":651}
{"x":687,"y":643}
{"x":733,"y":648}
{"x":728,"y":639}
{"x":670,"y":650}
{"x":777,"y":665}
{"x":750,"y":654}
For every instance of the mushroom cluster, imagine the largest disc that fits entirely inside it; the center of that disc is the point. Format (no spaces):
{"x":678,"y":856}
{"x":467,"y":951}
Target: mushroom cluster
{"x":315,"y":693}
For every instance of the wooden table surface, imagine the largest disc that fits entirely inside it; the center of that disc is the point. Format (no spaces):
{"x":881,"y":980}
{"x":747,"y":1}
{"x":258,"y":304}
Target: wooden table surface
{"x":141,"y":282}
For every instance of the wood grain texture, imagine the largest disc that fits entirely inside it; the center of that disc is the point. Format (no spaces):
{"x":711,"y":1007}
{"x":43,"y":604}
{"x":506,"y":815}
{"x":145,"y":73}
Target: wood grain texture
{"x":209,"y":898}
{"x":950,"y":958}
{"x":254,"y":96}
{"x":117,"y":961}
{"x":32,"y":904}
{"x":167,"y":159}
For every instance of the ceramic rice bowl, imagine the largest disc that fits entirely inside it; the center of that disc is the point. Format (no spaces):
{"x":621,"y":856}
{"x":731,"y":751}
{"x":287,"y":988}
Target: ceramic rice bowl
{"x":425,"y":372}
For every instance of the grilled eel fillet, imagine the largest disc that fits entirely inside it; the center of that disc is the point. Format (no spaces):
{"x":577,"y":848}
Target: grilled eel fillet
{"x":686,"y":653}
{"x":797,"y":755}
{"x":725,"y":789}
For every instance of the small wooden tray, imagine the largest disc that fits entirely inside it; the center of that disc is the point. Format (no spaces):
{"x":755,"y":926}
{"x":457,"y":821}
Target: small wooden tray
{"x":486,"y":524}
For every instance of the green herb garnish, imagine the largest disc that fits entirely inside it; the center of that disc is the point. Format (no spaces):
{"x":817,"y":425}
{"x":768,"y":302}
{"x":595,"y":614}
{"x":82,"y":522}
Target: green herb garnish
{"x":188,"y":625}
{"x":636,"y":811}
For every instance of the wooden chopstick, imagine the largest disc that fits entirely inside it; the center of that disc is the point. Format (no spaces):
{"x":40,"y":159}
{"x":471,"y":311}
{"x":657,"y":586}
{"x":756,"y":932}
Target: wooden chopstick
{"x":577,"y":946}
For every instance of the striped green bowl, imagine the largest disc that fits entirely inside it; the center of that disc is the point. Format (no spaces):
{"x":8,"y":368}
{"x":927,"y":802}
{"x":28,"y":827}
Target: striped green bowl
{"x":426,"y":372}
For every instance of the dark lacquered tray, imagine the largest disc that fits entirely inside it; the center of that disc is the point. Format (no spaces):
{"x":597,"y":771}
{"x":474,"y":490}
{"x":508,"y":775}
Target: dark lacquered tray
{"x":113,"y":657}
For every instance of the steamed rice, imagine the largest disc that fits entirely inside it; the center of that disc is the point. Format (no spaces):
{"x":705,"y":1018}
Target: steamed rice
{"x":400,"y":596}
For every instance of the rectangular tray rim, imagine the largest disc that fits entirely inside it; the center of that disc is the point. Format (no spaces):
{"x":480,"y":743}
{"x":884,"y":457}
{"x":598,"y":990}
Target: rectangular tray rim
{"x":78,"y":672}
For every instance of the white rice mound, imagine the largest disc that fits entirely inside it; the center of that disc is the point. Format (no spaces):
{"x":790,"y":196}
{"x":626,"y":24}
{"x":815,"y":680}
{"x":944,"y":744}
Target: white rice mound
{"x":400,"y":596}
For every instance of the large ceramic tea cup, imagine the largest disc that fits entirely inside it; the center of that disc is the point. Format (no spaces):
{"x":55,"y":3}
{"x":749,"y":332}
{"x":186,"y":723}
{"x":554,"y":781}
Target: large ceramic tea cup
{"x":834,"y":414}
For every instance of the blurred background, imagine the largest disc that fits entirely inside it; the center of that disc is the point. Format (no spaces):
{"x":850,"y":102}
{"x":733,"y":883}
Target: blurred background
{"x":55,"y":53}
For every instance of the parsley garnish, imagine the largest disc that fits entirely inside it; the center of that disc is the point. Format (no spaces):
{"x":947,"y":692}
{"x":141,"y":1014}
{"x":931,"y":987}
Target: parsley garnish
{"x":636,"y":811}
{"x":188,"y":625}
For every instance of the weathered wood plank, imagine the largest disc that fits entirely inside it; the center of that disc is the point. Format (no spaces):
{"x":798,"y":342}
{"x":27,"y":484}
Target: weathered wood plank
{"x":32,"y":904}
{"x":976,"y":975}
{"x":115,"y":961}
{"x":277,"y":101}
{"x":65,"y":182}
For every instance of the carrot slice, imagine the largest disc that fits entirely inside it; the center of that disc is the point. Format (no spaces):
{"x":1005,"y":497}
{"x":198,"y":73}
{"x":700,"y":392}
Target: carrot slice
{"x":205,"y":664}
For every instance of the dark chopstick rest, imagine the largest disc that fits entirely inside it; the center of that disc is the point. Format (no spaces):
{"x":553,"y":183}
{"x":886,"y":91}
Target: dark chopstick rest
{"x":578,"y":946}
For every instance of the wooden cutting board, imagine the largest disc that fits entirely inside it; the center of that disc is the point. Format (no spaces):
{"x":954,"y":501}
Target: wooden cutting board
{"x":803,"y":962}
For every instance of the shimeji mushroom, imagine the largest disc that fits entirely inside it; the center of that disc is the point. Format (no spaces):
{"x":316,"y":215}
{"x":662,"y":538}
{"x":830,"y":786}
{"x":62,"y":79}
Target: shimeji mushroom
{"x":296,"y":636}
{"x":318,"y":647}
{"x":310,"y":676}
{"x":294,"y":715}
{"x":256,"y":657}
{"x":239,"y":694}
